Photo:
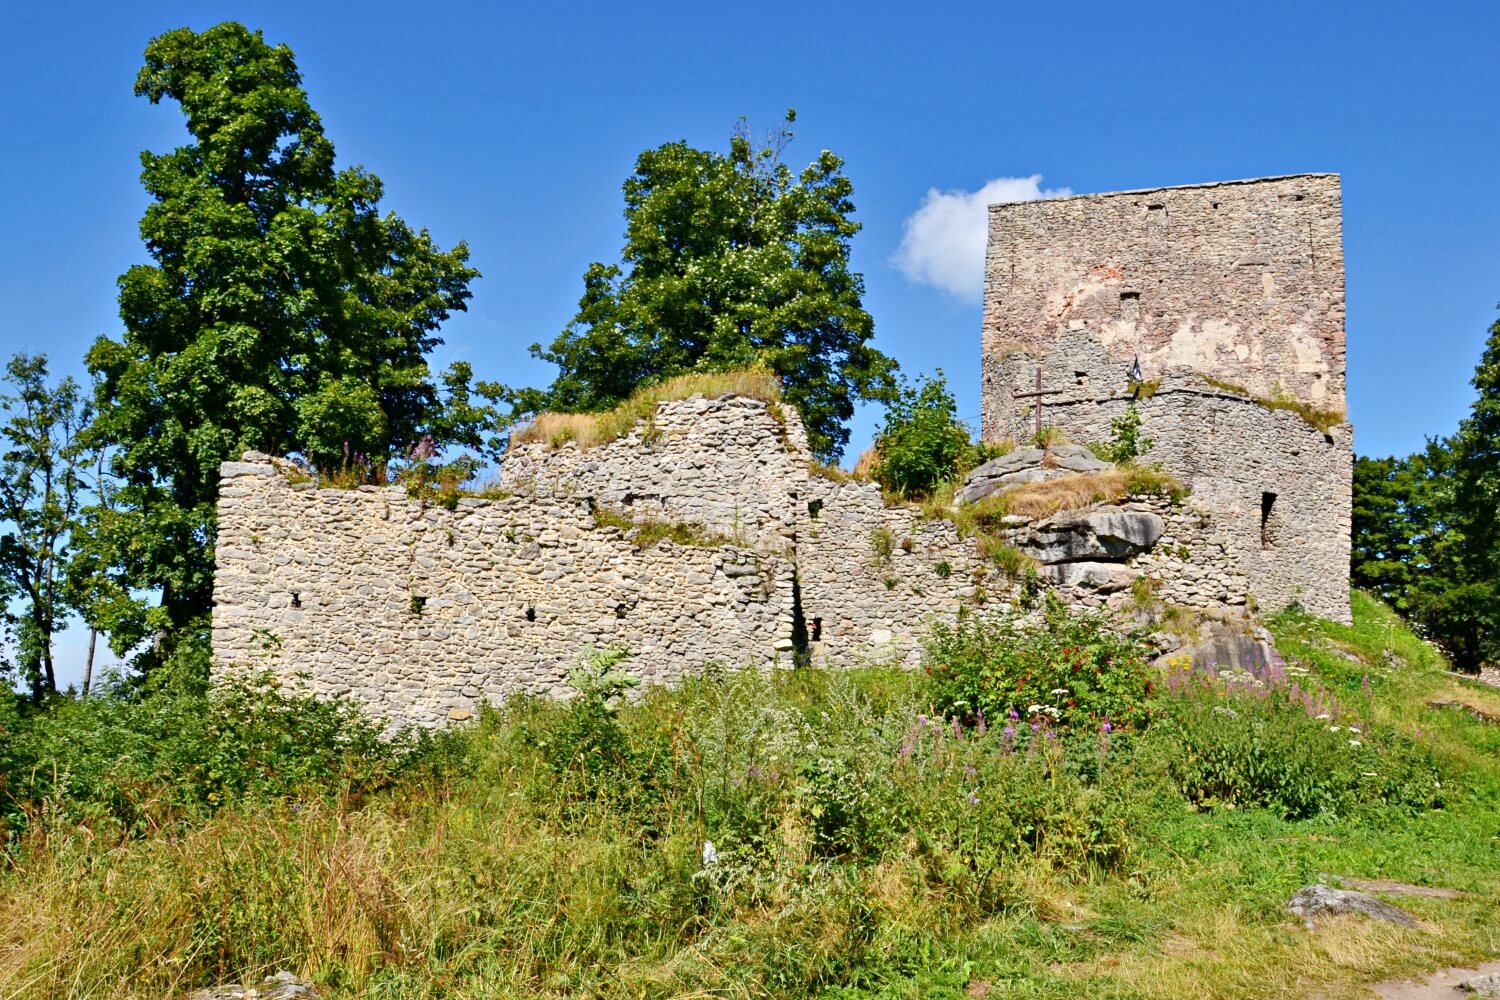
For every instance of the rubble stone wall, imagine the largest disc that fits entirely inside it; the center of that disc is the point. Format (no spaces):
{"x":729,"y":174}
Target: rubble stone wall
{"x":1278,"y":491}
{"x":420,"y":612}
{"x":1241,"y":280}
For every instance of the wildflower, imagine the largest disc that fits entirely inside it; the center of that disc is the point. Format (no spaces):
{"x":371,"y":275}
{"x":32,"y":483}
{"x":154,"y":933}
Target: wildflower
{"x":1323,"y":717}
{"x":710,"y":854}
{"x":907,"y":750}
{"x":1014,"y":715}
{"x":969,"y":770}
{"x":1058,"y":691}
{"x":1353,"y":729}
{"x":1368,"y":774}
{"x":973,"y":799}
{"x":921,"y":720}
{"x":1355,"y":743}
{"x":1009,"y":732}
{"x":1334,"y":729}
{"x":1106,"y":727}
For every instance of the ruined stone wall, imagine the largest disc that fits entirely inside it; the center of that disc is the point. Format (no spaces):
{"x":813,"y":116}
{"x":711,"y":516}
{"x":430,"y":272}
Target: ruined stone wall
{"x":1277,"y":489}
{"x":1243,"y":281}
{"x":734,"y":465}
{"x":421,"y":612}
{"x":873,"y":578}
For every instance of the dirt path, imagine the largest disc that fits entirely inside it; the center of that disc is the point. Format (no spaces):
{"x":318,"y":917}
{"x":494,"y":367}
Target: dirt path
{"x":1441,"y":985}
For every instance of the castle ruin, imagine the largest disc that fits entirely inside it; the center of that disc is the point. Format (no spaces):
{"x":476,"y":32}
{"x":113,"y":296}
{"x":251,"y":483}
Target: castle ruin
{"x":1229,"y":298}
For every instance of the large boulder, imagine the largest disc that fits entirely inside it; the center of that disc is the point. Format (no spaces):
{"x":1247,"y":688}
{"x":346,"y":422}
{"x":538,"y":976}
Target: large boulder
{"x":1104,"y":577}
{"x":1026,"y":465}
{"x":1100,"y":533}
{"x":1323,"y":901}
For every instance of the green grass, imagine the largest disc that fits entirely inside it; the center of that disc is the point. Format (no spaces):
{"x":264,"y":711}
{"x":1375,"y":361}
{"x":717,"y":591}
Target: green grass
{"x":864,"y":852}
{"x":647,"y":533}
{"x":1321,"y":420}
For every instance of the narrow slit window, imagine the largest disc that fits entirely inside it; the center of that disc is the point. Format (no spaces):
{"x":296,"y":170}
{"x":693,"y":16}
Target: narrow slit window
{"x":1268,"y":521}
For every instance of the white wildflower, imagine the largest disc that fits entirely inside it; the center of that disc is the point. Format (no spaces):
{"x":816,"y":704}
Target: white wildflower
{"x":1355,"y":743}
{"x":1324,"y":717}
{"x":1334,"y":729}
{"x":710,"y":854}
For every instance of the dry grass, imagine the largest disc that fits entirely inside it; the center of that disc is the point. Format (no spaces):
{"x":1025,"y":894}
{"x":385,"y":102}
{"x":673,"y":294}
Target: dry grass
{"x":868,"y":462}
{"x":1084,"y":488}
{"x":589,"y":429}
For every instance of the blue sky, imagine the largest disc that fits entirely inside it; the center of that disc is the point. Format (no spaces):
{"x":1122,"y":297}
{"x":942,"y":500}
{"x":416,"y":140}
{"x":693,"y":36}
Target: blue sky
{"x":512,"y":127}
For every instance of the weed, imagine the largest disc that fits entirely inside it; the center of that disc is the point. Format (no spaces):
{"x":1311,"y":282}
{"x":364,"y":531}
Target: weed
{"x":587,"y":430}
{"x":882,"y":546}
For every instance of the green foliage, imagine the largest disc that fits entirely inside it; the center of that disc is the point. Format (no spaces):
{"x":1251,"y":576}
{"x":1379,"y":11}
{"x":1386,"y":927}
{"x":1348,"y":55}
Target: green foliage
{"x":863,"y":847}
{"x":43,"y":462}
{"x":282,"y":310}
{"x":1073,"y":670}
{"x":729,"y":260}
{"x":125,"y":762}
{"x":921,"y":444}
{"x":1265,"y":749}
{"x":1126,"y":442}
{"x":1424,"y":527}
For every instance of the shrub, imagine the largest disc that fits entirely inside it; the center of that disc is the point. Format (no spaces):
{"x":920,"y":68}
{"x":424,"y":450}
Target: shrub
{"x":1126,"y":442}
{"x":1264,"y":748}
{"x":127,"y":761}
{"x":1065,"y":670}
{"x":921,"y":444}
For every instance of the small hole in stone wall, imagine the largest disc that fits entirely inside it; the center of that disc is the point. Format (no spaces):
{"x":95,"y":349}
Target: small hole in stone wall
{"x":817,"y":630}
{"x":296,"y":599}
{"x":418,"y":604}
{"x":530,"y":613}
{"x":814,"y":508}
{"x":620,"y":610}
{"x":1081,"y":379}
{"x":1214,"y":204}
{"x":1156,"y":206}
{"x":1268,"y":520}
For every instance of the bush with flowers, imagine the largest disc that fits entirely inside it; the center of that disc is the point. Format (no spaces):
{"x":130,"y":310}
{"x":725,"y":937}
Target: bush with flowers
{"x":1062,"y":670}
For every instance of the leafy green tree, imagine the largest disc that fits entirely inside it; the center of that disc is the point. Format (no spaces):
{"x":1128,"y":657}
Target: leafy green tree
{"x":729,"y":260}
{"x":921,"y":444}
{"x":1476,"y":491}
{"x":1399,"y":506}
{"x":281,"y":312}
{"x":41,"y":492}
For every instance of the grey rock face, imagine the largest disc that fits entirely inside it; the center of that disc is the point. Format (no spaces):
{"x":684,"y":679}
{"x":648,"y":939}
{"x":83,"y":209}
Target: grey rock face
{"x":1026,"y":465}
{"x":282,"y":986}
{"x":1322,"y":901}
{"x":1230,"y":645}
{"x":1101,"y":576}
{"x":1103,"y":533}
{"x":1483,"y":986}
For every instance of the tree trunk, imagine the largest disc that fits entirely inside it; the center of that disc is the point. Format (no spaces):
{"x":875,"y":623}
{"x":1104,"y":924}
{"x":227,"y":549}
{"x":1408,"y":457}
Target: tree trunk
{"x":88,"y":664}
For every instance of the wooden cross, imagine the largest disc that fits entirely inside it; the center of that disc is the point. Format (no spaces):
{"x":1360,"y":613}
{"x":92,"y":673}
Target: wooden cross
{"x":1040,"y":392}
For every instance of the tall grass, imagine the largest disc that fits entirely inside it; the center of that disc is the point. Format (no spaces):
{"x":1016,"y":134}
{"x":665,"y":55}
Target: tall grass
{"x":587,"y":430}
{"x":863,"y":845}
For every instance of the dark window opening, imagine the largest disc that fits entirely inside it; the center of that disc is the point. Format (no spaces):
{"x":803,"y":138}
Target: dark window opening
{"x":1081,"y":379}
{"x":817,"y":630}
{"x":1130,"y":306}
{"x":1156,"y":206}
{"x":814,"y":508}
{"x":418,"y":604}
{"x":1268,"y":520}
{"x":530,"y":613}
{"x":296,"y":599}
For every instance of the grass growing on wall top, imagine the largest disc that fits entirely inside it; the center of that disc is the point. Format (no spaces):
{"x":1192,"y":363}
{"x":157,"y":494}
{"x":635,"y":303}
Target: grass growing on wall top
{"x":589,"y":429}
{"x":1321,"y":420}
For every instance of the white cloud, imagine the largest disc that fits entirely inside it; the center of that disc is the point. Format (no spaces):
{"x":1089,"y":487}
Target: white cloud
{"x":943,"y":245}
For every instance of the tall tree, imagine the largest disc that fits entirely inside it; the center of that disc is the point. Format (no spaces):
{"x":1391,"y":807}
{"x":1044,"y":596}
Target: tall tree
{"x":41,"y":492}
{"x":729,"y":260}
{"x":281,"y":311}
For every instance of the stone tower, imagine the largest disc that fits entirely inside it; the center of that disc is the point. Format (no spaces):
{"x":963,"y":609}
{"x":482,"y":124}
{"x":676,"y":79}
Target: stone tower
{"x":1230,"y":297}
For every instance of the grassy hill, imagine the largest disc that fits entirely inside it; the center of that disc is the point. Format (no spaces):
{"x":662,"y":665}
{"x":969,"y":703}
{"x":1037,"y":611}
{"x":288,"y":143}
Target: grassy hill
{"x":1136,"y":836}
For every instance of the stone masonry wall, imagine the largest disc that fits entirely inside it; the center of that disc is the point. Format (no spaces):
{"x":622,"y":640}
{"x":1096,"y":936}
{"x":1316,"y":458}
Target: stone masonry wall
{"x":420,"y":612}
{"x":1241,"y":280}
{"x":734,"y":465}
{"x":1278,"y":490}
{"x":873,"y":577}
